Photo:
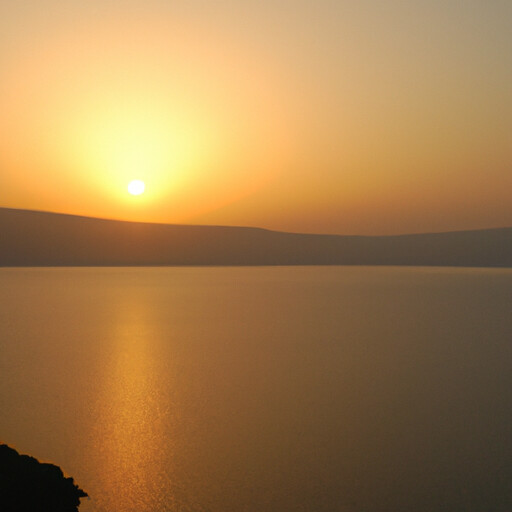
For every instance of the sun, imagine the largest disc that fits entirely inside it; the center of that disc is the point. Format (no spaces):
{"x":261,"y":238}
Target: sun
{"x":136,"y":187}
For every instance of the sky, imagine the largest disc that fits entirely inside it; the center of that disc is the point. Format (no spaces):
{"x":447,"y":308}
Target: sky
{"x":342,"y":116}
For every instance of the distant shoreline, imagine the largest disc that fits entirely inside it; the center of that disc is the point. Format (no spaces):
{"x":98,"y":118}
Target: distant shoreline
{"x":43,"y":239}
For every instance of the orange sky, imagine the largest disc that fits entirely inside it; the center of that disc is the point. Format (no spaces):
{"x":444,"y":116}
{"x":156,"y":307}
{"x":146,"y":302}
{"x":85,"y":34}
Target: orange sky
{"x":338,"y":116}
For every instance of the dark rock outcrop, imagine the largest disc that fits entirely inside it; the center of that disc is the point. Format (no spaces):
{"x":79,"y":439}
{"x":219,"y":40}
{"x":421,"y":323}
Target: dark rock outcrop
{"x":27,"y":485}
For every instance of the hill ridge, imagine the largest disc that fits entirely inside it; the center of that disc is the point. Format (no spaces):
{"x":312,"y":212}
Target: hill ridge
{"x":39,"y":238}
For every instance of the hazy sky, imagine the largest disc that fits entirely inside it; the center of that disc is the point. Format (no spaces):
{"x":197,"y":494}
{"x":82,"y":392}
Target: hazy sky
{"x":342,"y":116}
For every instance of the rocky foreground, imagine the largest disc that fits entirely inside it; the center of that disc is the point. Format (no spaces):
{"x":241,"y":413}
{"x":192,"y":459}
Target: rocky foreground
{"x":29,"y":485}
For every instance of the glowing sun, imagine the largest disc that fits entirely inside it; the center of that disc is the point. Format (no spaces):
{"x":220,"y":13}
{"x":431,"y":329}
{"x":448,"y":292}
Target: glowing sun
{"x":136,"y":187}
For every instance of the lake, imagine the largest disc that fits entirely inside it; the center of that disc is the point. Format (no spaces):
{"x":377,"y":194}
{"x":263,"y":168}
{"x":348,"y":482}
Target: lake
{"x":263,"y":389}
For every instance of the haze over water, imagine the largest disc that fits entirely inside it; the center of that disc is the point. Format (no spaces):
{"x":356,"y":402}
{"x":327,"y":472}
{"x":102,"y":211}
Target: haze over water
{"x":263,"y":389}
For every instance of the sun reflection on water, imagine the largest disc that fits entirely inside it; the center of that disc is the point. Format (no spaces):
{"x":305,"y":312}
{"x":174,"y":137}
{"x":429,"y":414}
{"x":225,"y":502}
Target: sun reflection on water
{"x":130,"y":417}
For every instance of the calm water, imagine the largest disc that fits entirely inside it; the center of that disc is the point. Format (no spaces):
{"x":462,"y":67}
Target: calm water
{"x":263,"y":389}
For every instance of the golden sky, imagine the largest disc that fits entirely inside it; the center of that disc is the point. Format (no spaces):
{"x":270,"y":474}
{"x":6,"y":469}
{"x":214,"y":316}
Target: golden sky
{"x":350,"y":117}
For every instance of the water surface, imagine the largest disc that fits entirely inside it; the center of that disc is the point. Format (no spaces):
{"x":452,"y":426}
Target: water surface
{"x":263,"y":389}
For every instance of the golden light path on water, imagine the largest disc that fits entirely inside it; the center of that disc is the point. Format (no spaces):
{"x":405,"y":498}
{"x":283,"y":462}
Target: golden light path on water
{"x":127,"y":452}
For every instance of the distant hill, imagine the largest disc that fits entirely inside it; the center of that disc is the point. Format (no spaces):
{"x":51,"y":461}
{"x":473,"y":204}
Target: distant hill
{"x":31,"y":238}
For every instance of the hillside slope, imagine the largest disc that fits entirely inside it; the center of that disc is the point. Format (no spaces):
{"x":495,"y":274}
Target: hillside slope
{"x":30,"y":238}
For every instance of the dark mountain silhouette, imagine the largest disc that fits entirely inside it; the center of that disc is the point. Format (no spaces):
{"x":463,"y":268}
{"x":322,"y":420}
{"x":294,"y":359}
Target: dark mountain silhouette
{"x":27,"y":485}
{"x":31,"y":238}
